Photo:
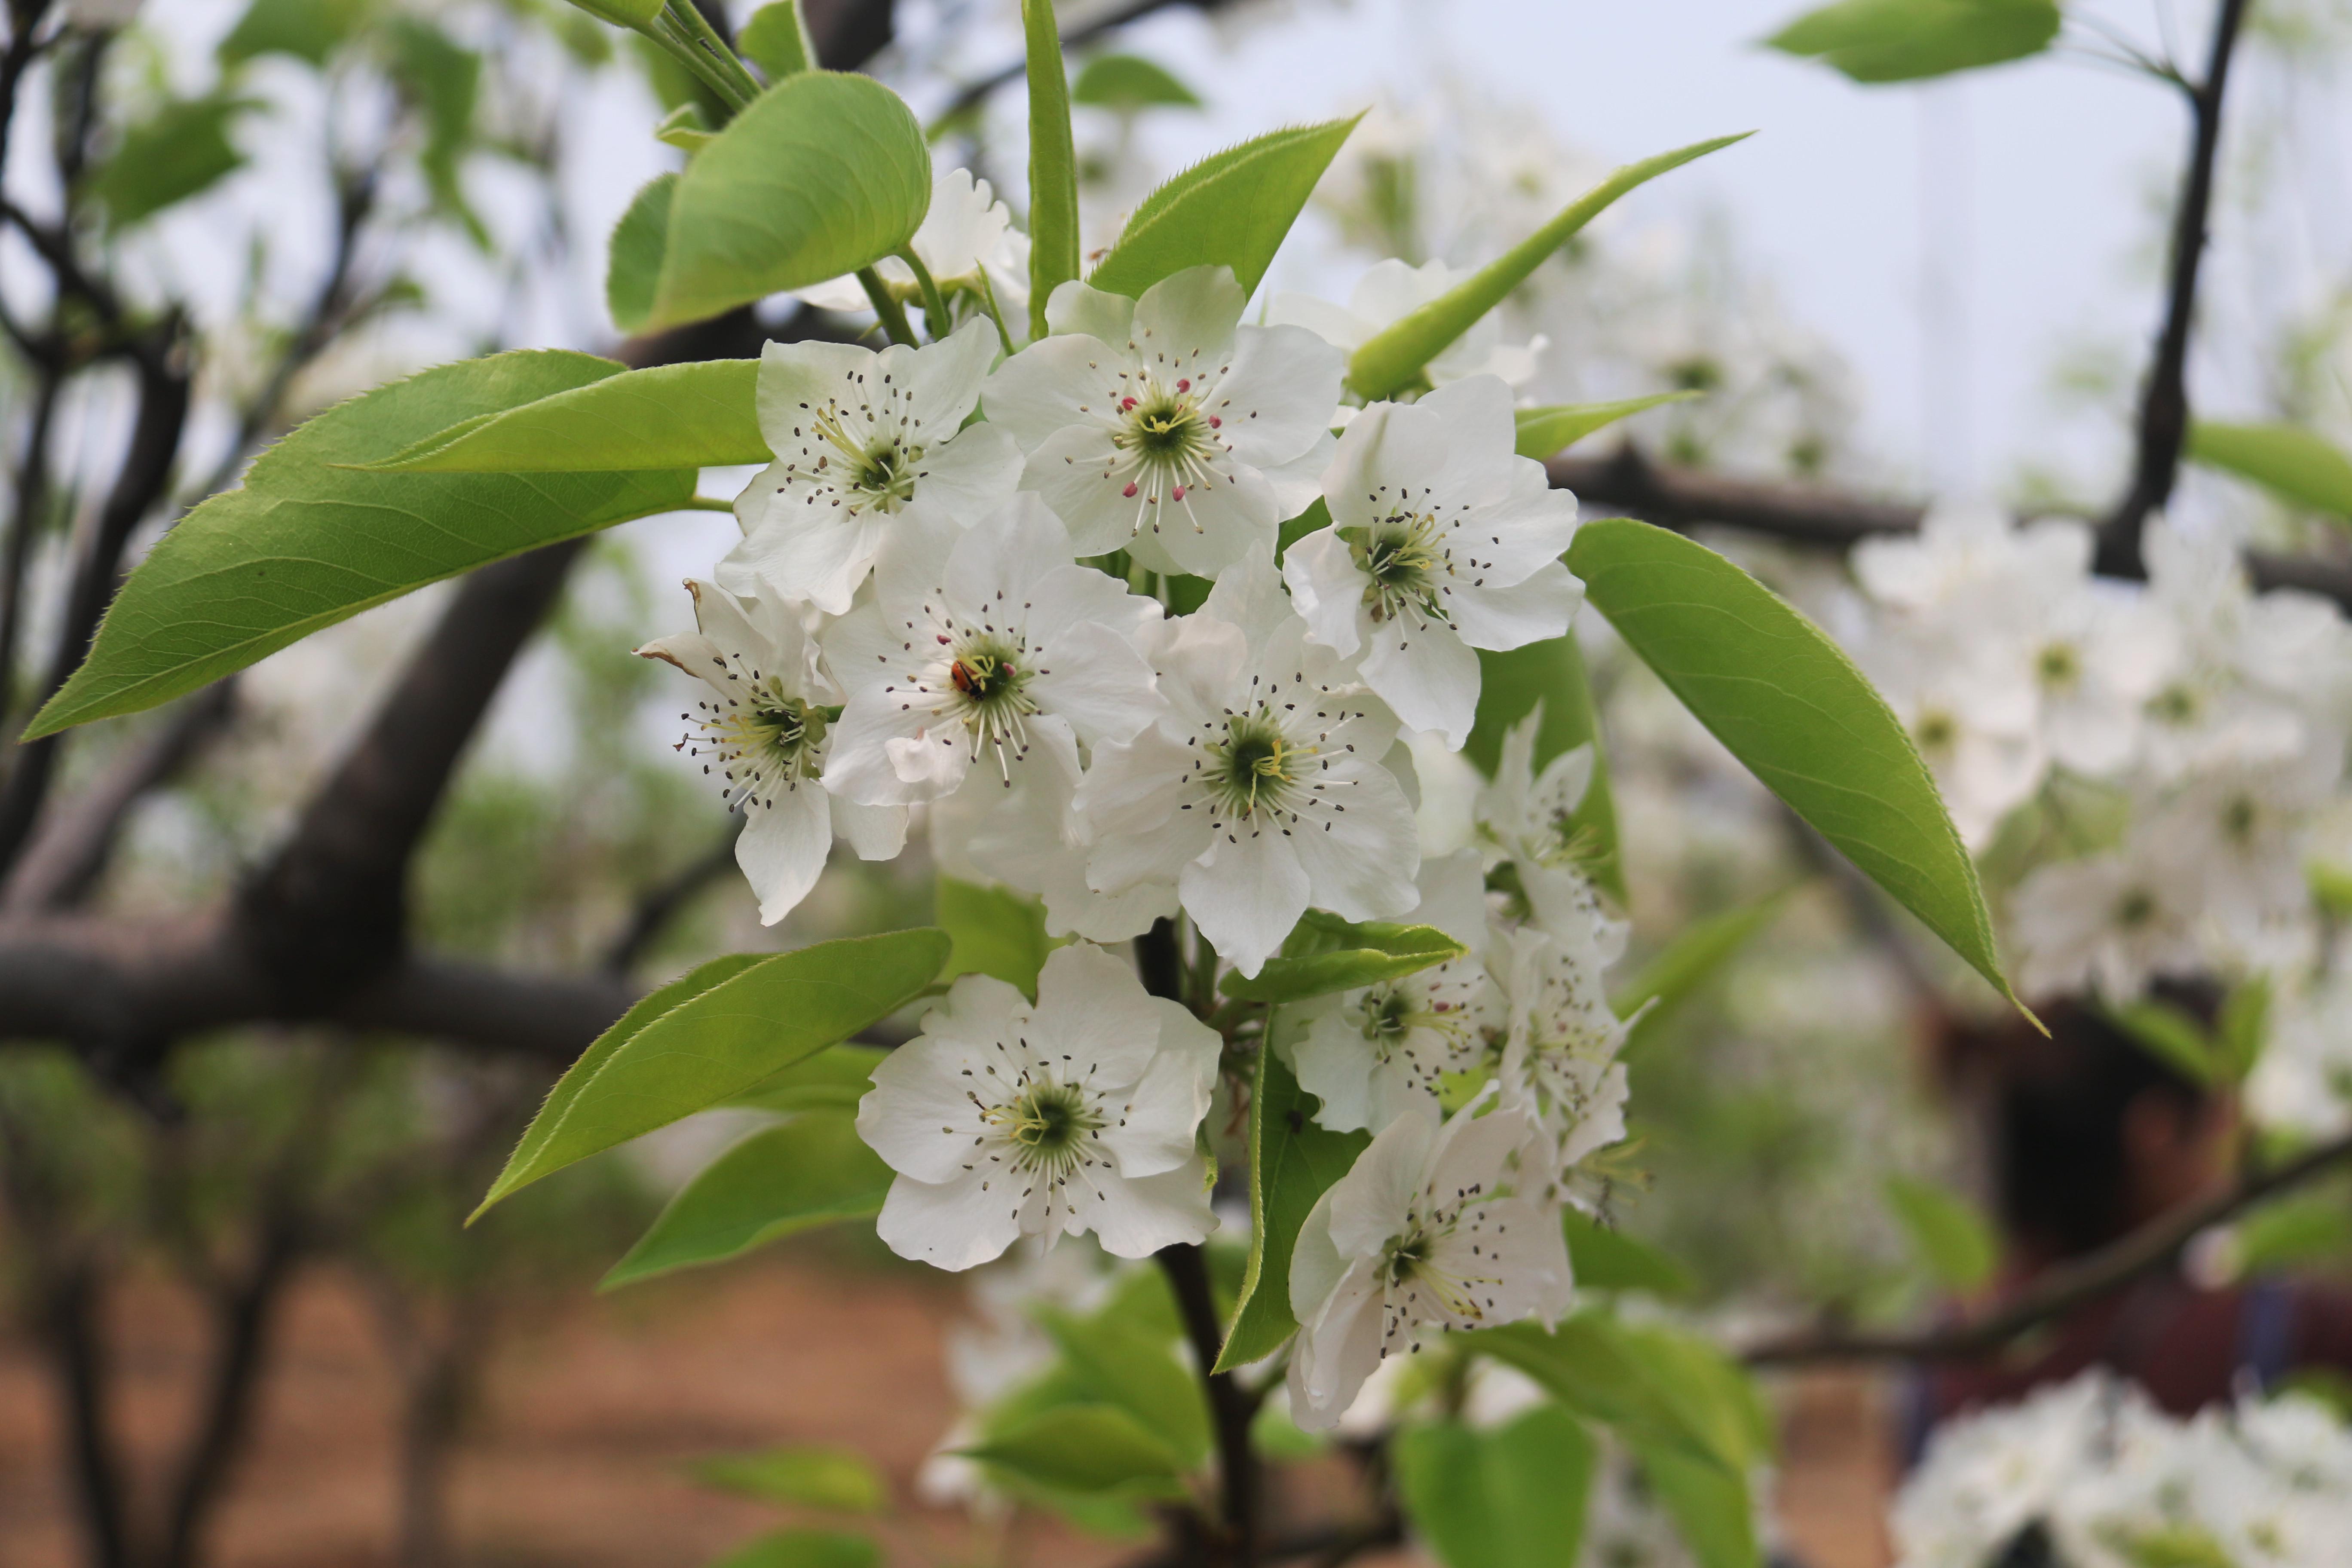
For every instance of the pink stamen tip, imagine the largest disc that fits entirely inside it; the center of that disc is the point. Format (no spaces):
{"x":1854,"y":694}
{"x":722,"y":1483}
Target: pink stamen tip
{"x":1125,"y":404}
{"x":1215,"y":423}
{"x":1176,"y":494}
{"x":1129,"y":491}
{"x":1184,"y":386}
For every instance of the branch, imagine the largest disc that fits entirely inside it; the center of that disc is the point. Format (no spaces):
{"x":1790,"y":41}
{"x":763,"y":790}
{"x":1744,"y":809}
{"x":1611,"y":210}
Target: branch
{"x":659,"y":902}
{"x":2152,"y":1247}
{"x":25,"y":520}
{"x":1188,"y":1277}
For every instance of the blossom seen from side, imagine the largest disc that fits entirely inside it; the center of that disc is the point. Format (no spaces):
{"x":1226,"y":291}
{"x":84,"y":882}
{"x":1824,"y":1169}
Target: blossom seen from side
{"x":967,"y":241}
{"x":1560,"y":1058}
{"x":1529,"y":817}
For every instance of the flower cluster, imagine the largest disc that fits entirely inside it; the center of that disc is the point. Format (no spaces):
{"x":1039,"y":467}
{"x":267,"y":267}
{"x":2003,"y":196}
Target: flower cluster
{"x":2091,"y":1473}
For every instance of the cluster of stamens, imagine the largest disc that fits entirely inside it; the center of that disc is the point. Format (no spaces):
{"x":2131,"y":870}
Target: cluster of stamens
{"x":1037,"y":1126}
{"x":856,"y":454}
{"x":1410,"y":1270}
{"x":1401,"y":556}
{"x":984,"y":685}
{"x":1391,"y":1013}
{"x":1167,"y":434}
{"x":759,"y":739}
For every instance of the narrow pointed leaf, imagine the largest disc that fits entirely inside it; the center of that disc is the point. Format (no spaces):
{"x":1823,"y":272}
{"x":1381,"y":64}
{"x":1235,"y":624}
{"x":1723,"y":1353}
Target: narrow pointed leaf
{"x":1392,"y":359}
{"x":1129,"y":83}
{"x":1326,"y":953}
{"x":2302,"y":468}
{"x":1551,"y":672}
{"x":1909,"y":40}
{"x":702,"y":416}
{"x":835,"y":1079}
{"x":633,"y":264}
{"x":1125,"y":1365}
{"x":1231,"y":209}
{"x":777,"y":40}
{"x":1293,"y":1159}
{"x":1052,"y":163}
{"x":1559,"y":425}
{"x":1792,"y":706}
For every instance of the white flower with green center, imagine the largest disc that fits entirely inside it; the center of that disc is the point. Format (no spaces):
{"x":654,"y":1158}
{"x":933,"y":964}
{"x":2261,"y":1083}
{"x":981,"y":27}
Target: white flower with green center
{"x":984,"y":647}
{"x":862,"y":441}
{"x":1162,"y":425}
{"x":1424,"y":1232}
{"x":2108,"y":922}
{"x":763,"y":733}
{"x":1559,"y":1059}
{"x":1005,"y":1118}
{"x":1529,"y":818}
{"x":1374,"y":1053}
{"x":1442,"y":540}
{"x":1262,"y":790}
{"x":1393,"y":290}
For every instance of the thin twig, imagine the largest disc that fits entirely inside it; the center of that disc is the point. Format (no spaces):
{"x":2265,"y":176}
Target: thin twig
{"x":659,"y":902}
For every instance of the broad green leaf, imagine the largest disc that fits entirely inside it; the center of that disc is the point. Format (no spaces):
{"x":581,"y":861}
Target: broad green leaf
{"x":1325,"y":954}
{"x":835,"y":1079}
{"x":996,"y":931}
{"x":813,"y":1476}
{"x":310,"y":539}
{"x":1129,"y":83}
{"x":2301,"y":467}
{"x":1080,"y":1448}
{"x":1392,"y":359}
{"x":2171,"y":1035}
{"x":803,"y":1548}
{"x":718,"y":1043}
{"x":179,"y":150}
{"x":1951,"y":1236}
{"x":1510,"y":1497}
{"x":1052,"y":163}
{"x":1710,"y":1506}
{"x":632,"y":267}
{"x":777,"y":40}
{"x":1608,"y":1259}
{"x":1685,"y":966}
{"x":1552,"y":673}
{"x":1789,"y":703}
{"x":1293,"y":1159}
{"x":1637,"y":1381}
{"x":821,"y":175}
{"x":1231,"y":209}
{"x":1905,"y":40}
{"x":306,"y":30}
{"x":811,"y":1171}
{"x":1547,"y":430}
{"x":700,"y":415}
{"x":1127,"y":1366}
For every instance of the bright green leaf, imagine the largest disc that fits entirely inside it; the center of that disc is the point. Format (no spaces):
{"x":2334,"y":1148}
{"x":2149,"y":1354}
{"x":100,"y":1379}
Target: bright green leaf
{"x":1552,"y":672}
{"x":441,"y":78}
{"x":2305,"y":468}
{"x":1652,"y":1385}
{"x":821,"y":175}
{"x":685,"y":128}
{"x":1951,"y":1235}
{"x":1608,"y":1259}
{"x":1510,"y":1497}
{"x":1231,"y":209}
{"x":179,"y":151}
{"x":633,"y":267}
{"x":1052,"y":163}
{"x":717,"y":1044}
{"x":1129,"y":83}
{"x":1905,"y":40}
{"x":2170,"y":1034}
{"x":996,"y":931}
{"x":697,"y":415}
{"x":2297,"y":1232}
{"x":307,"y":30}
{"x":309,"y":541}
{"x":1080,"y":1448}
{"x":1559,"y":425}
{"x":2168,"y":1546}
{"x":1392,"y":359}
{"x":812,"y":1476}
{"x":2243,"y":1028}
{"x":1789,"y":703}
{"x":1325,"y":954}
{"x":835,"y":1079}
{"x":801,"y":1548}
{"x":1680,"y":969}
{"x":2331,"y":888}
{"x":1125,"y":1365}
{"x":1293,"y":1159}
{"x":811,"y":1171}
{"x":1709,"y":1505}
{"x":777,"y":40}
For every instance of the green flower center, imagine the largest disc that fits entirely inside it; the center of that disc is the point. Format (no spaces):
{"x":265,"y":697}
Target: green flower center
{"x":2058,"y":666}
{"x":881,"y":475}
{"x":1254,"y":765}
{"x":760,"y":742}
{"x":1049,"y":1125}
{"x":2135,"y":909}
{"x":2174,"y":705}
{"x":1401,"y":557}
{"x":1935,"y":731}
{"x":990,"y":680}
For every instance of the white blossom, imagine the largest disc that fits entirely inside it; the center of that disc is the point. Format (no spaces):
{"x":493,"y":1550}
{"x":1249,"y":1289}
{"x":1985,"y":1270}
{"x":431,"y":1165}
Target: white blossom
{"x":1392,"y":290}
{"x":1560,"y":1057}
{"x":2110,"y":921}
{"x":1078,"y":1112}
{"x":1528,"y":819}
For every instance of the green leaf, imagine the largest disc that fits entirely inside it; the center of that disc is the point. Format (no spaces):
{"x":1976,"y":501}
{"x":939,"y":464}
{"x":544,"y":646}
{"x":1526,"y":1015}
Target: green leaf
{"x":1950,"y":1233}
{"x":306,"y":30}
{"x":685,"y":128}
{"x":1127,"y":1366}
{"x":648,"y":1071}
{"x":996,"y":931}
{"x":1789,"y":703}
{"x":1905,"y":40}
{"x":1128,"y":83}
{"x":1080,"y":1448}
{"x":2294,"y":1233}
{"x":777,"y":40}
{"x":441,"y":78}
{"x":1608,"y":1259}
{"x":1680,"y":969}
{"x":1552,"y":673}
{"x":2295,"y":464}
{"x":2168,"y":1546}
{"x":2171,"y":1035}
{"x":1231,"y":209}
{"x":2243,"y":1028}
{"x":1709,"y":1505}
{"x":801,"y":1548}
{"x":1293,"y":1159}
{"x":813,"y":1476}
{"x":1650,"y":1385}
{"x":1325,"y":954}
{"x":1511,"y":1498}
{"x":2331,"y":888}
{"x":1559,"y":425}
{"x":821,"y":175}
{"x":310,"y":539}
{"x":633,"y":267}
{"x":811,"y":1171}
{"x":1392,"y":359}
{"x":835,"y":1079}
{"x":699,"y":416}
{"x":179,"y":151}
{"x":1052,"y":163}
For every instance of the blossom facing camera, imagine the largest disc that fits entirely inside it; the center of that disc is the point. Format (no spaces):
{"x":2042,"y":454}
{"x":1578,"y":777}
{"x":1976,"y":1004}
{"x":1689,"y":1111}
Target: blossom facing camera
{"x":1079,"y":1111}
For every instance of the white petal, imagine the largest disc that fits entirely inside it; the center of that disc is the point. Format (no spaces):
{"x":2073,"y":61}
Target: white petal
{"x":1059,"y":381}
{"x":1361,"y":861}
{"x":1190,"y":313}
{"x":875,"y":832}
{"x":1427,"y":675}
{"x":970,"y":476}
{"x":1335,"y":324}
{"x":1076,"y":307}
{"x":1163,"y":1114}
{"x":1094,"y":678}
{"x":783,"y":847}
{"x":1368,"y":1203}
{"x":952,"y":1225}
{"x":1389,"y":451}
{"x":817,"y":554}
{"x":1334,"y":1063}
{"x":1135,"y":1218}
{"x":1339,"y":1348}
{"x":1533,"y":611}
{"x":1278,"y":398}
{"x":1480,"y":435}
{"x":1246,"y":892}
{"x":943,"y":379}
{"x":1327,"y":591}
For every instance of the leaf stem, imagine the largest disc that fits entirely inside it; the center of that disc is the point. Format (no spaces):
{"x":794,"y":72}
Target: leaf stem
{"x":687,"y":34}
{"x":996,"y":313}
{"x":706,"y":503}
{"x":935,"y":305}
{"x":887,"y":308}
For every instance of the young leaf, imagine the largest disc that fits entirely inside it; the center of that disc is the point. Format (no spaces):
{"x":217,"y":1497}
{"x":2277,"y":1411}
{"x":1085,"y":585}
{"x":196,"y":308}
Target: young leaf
{"x":700,"y":415}
{"x":812,"y":1476}
{"x":1392,"y":359}
{"x":718,"y":1043}
{"x":1129,"y":83}
{"x":801,"y":1548}
{"x":777,"y":40}
{"x":1510,"y":1497}
{"x":1905,"y":40}
{"x":811,"y":1171}
{"x":179,"y":151}
{"x":2243,"y":1028}
{"x":2303,"y":468}
{"x":1951,"y":1236}
{"x":310,"y":539}
{"x":1231,"y":209}
{"x":2298,"y":1232}
{"x":685,"y":128}
{"x":1080,"y":1448}
{"x":995,"y":930}
{"x":1123,"y":1365}
{"x":835,"y":1079}
{"x":1651,"y":1385}
{"x":1325,"y":954}
{"x":1607,"y":1259}
{"x":1550,"y":429}
{"x":1510,"y":684}
{"x":1052,"y":163}
{"x":633,"y":263}
{"x":1709,"y":1505}
{"x":1686,"y":964}
{"x":1789,"y":704}
{"x":1292,"y":1160}
{"x":823,"y":173}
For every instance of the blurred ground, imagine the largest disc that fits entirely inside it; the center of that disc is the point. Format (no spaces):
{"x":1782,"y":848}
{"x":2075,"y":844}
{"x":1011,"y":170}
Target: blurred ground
{"x":570,"y":1454}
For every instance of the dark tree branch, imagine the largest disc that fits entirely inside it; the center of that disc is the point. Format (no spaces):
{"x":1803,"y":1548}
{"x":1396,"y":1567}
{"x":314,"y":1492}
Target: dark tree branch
{"x":1230,"y":1405}
{"x":25,"y":520}
{"x":660,"y":902}
{"x":1072,"y":35}
{"x":75,"y":1322}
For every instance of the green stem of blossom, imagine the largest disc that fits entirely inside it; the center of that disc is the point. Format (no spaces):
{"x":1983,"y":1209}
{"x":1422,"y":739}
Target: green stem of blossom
{"x":988,"y":303}
{"x":935,"y":304}
{"x":686,"y":33}
{"x":886,"y":308}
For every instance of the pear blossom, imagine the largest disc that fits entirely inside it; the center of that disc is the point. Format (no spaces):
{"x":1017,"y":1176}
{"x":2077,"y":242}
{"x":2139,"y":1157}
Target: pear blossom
{"x":1442,"y":540}
{"x":2303,"y":1080}
{"x":1425,"y":1231}
{"x":1975,"y":724}
{"x":1005,"y":1118}
{"x":1529,"y":818}
{"x":986,"y":641}
{"x":863,"y":440}
{"x":1560,"y":1057}
{"x":1393,"y":290}
{"x":1262,"y":790}
{"x":1162,"y":425}
{"x":2110,"y":921}
{"x":765,"y":733}
{"x":967,"y":241}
